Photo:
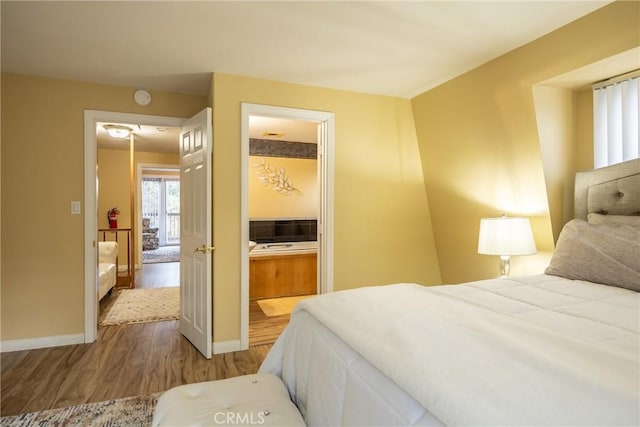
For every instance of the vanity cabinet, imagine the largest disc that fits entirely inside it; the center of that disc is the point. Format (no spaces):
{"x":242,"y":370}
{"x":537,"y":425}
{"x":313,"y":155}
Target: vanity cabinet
{"x":282,"y":275}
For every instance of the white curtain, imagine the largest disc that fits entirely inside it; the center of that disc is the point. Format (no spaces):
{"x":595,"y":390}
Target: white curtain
{"x":151,"y":194}
{"x":616,"y":122}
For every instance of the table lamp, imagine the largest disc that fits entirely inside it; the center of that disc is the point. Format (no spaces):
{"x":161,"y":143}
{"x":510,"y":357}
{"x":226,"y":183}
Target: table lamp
{"x":506,"y":236}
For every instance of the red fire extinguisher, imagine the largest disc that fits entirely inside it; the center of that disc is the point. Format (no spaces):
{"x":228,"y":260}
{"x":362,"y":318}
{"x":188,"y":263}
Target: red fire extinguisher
{"x":112,"y":215}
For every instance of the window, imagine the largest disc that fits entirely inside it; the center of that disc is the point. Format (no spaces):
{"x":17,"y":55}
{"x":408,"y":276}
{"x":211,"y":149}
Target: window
{"x":616,"y":107}
{"x":161,"y":204}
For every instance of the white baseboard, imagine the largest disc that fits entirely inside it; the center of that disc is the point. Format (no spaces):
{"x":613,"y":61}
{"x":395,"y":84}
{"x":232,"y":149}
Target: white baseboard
{"x":42,"y":342}
{"x":226,"y":346}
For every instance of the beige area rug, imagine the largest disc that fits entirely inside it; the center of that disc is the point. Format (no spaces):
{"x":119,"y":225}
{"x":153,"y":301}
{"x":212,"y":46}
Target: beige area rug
{"x":144,"y":305}
{"x":127,"y":412}
{"x":280,"y":306}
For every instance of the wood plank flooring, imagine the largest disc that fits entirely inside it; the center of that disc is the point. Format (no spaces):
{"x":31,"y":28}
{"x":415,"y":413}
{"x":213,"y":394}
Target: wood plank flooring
{"x":158,"y":275}
{"x":125,"y":360}
{"x":262,"y":329}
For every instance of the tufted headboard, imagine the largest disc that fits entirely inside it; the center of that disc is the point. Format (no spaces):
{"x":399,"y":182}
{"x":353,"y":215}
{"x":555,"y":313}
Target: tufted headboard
{"x":612,"y":190}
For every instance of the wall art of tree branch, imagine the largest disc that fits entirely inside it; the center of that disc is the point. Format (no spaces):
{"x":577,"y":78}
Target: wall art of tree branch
{"x":275,"y":177}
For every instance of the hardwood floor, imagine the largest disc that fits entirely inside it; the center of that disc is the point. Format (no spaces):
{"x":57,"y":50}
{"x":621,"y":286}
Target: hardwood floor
{"x":262,"y":329}
{"x":126,"y":360}
{"x":158,"y":275}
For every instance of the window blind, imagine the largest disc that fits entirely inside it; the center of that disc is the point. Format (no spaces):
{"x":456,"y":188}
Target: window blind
{"x":616,"y":111}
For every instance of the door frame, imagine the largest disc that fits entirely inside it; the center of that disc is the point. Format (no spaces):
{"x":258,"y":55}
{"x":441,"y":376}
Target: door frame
{"x":91,"y":119}
{"x":326,"y":126}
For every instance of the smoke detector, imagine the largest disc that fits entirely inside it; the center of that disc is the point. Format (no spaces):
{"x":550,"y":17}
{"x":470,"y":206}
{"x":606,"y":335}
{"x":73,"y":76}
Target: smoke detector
{"x":142,"y":97}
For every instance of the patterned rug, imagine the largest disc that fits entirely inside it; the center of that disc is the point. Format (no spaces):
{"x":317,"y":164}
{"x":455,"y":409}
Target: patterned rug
{"x":144,"y":305}
{"x":130,"y":411}
{"x":279,"y":306}
{"x":162,"y":254}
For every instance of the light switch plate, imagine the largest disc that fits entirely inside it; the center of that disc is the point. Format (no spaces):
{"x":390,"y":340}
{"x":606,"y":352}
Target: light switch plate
{"x":75,"y":207}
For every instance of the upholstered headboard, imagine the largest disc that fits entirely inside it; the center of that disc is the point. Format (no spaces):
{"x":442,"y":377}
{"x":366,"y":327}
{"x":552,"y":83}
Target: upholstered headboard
{"x":612,"y":190}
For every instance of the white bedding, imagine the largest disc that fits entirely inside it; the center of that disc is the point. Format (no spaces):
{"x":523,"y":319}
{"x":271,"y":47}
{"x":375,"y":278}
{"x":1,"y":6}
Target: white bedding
{"x":539,"y":350}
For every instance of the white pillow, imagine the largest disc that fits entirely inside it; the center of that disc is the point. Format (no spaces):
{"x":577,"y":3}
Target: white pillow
{"x":599,"y":253}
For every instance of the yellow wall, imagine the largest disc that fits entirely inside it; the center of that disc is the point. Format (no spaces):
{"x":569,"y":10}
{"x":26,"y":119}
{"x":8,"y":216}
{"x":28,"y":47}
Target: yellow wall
{"x":583,"y":129}
{"x":264,"y":202}
{"x":114,"y":192}
{"x":113,"y":186}
{"x":472,"y":142}
{"x":479,"y":142}
{"x":114,"y":189}
{"x":555,"y":120}
{"x":382,"y":222}
{"x":42,"y":172}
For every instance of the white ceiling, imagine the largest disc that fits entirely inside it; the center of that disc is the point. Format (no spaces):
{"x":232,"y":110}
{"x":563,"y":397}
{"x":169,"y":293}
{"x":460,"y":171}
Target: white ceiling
{"x":146,"y":138}
{"x":286,"y":129}
{"x":165,"y":139}
{"x":615,"y":65}
{"x":390,"y":48}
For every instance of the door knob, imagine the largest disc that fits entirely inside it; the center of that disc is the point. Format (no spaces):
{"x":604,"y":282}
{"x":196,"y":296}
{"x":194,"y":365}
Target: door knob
{"x":204,"y":249}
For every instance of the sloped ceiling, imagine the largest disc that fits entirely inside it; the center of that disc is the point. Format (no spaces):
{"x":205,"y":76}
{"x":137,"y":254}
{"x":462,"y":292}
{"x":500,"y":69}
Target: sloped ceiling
{"x":394,"y":48}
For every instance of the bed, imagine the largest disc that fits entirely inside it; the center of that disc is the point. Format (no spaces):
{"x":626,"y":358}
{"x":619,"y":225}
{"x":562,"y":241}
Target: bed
{"x":559,"y":348}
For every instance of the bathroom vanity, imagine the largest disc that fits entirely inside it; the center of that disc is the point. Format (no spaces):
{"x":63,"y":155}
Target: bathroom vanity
{"x":284,"y":269}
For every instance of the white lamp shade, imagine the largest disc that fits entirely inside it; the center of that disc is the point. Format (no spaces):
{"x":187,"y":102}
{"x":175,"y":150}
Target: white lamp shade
{"x":506,"y":236}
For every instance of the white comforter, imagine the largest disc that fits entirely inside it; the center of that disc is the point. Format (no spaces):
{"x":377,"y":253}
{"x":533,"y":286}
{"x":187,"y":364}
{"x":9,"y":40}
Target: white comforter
{"x":539,"y":350}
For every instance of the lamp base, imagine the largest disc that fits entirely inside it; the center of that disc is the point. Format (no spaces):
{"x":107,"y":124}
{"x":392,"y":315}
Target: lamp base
{"x":505,"y":265}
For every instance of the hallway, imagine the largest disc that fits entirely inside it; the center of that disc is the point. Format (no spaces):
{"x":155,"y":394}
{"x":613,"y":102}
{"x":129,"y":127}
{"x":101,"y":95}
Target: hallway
{"x":158,"y":275}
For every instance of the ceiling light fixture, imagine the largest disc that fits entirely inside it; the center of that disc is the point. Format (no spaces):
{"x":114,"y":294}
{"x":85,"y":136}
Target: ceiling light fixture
{"x":118,"y":131}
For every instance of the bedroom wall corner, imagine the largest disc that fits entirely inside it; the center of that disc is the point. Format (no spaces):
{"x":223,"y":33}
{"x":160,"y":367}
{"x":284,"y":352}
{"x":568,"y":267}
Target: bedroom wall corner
{"x":480,"y":146}
{"x":555,"y":120}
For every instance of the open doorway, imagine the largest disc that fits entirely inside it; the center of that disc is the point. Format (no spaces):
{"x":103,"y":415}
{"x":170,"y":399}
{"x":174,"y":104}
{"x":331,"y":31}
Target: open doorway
{"x":159,"y":210}
{"x":124,"y":203}
{"x":138,"y":177}
{"x":195,"y":139}
{"x":288,"y":226}
{"x":283,"y":202}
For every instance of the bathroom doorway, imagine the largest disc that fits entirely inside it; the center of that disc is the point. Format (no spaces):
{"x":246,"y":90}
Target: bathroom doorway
{"x":287,"y":188}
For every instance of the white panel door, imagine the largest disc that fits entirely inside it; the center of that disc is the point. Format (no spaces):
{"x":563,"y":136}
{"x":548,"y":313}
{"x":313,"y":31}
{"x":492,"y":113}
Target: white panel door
{"x":195,"y":232}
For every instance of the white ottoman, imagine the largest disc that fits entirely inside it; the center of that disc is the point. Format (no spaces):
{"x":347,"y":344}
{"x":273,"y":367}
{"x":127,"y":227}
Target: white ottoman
{"x":248,"y":400}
